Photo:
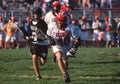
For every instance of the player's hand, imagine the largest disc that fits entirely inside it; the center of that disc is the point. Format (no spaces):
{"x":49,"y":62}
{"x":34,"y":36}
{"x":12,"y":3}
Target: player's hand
{"x":51,"y":41}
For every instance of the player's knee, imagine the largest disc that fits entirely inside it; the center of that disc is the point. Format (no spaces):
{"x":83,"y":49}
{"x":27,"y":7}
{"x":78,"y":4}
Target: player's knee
{"x":59,"y":58}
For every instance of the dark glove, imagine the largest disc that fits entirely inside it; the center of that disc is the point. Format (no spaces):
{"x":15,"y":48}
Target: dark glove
{"x":51,"y":41}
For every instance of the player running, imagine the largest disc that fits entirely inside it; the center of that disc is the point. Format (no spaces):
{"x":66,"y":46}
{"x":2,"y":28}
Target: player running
{"x":64,"y":42}
{"x":37,"y":43}
{"x":51,"y":16}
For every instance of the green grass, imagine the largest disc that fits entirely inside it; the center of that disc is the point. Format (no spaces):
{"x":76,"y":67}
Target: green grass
{"x":92,"y":66}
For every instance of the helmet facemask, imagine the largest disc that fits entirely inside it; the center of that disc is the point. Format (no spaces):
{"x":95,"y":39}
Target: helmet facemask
{"x":62,"y":20}
{"x":62,"y":24}
{"x":37,"y":13}
{"x":56,"y":9}
{"x":56,"y":6}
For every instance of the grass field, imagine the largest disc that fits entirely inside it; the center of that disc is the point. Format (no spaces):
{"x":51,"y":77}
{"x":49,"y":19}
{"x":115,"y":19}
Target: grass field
{"x":92,"y":66}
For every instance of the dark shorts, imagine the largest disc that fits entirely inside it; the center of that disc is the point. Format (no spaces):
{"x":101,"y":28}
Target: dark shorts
{"x":39,"y":50}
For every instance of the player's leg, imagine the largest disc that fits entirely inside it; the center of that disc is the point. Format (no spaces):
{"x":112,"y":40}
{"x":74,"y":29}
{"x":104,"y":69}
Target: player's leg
{"x":35,"y":66}
{"x":62,"y":66}
{"x":33,"y":50}
{"x":53,"y":57}
{"x":65,"y":63}
{"x":7,"y":39}
{"x":42,"y":51}
{"x":1,"y":41}
{"x":12,"y":42}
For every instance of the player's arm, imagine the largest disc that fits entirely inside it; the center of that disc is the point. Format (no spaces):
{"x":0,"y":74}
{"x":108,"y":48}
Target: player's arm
{"x":73,"y":50}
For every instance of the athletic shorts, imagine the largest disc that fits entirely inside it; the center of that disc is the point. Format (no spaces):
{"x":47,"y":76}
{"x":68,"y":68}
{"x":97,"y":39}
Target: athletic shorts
{"x":58,"y":48}
{"x":9,"y":39}
{"x":39,"y":50}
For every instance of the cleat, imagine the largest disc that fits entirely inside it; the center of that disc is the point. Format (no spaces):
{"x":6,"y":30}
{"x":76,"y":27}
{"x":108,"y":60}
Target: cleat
{"x":38,"y":78}
{"x":67,"y":78}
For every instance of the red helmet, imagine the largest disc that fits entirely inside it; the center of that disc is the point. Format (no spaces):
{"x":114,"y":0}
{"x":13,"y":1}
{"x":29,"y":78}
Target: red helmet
{"x":73,"y":22}
{"x":13,"y":19}
{"x":106,"y":18}
{"x":96,"y":17}
{"x":61,"y":16}
{"x":28,"y":19}
{"x":55,"y":3}
{"x":84,"y":18}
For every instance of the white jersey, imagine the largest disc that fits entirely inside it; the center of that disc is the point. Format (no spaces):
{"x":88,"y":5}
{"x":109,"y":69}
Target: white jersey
{"x":96,"y":32}
{"x":63,"y":38}
{"x":50,"y":17}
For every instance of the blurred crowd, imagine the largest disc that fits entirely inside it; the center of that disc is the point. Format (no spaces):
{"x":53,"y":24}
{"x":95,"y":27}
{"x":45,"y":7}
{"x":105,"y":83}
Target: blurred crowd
{"x":98,"y":31}
{"x":46,"y":4}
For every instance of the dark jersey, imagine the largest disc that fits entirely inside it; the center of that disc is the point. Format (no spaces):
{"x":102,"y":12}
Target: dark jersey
{"x":38,"y":27}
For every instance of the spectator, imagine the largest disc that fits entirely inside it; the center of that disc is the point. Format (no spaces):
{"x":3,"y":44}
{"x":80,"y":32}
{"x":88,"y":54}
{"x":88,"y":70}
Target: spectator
{"x":4,"y":4}
{"x":76,"y":31}
{"x":97,"y":4}
{"x":96,"y":31}
{"x":86,"y":3}
{"x":48,"y":4}
{"x":46,"y":7}
{"x":10,"y":29}
{"x":1,"y":32}
{"x":17,"y":33}
{"x":27,"y":28}
{"x":79,"y":3}
{"x":37,"y":3}
{"x":107,"y":34}
{"x":64,"y":1}
{"x":106,"y":4}
{"x":85,"y":26}
{"x":109,"y":2}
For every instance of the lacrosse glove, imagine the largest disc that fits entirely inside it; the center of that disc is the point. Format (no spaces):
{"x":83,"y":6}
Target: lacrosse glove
{"x":51,"y":41}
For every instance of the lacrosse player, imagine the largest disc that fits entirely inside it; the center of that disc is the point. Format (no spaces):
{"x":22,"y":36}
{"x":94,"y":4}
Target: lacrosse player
{"x":64,"y":42}
{"x":51,"y":16}
{"x":38,"y":44}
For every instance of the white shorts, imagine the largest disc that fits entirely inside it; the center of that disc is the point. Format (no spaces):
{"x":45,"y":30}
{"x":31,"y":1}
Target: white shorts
{"x":57,"y":48}
{"x":9,"y":39}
